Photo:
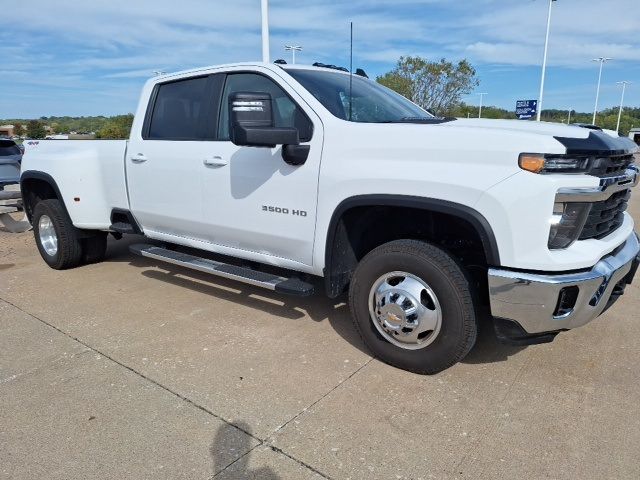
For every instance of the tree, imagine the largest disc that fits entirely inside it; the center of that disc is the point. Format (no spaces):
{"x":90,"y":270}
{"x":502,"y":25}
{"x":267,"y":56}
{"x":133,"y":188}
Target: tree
{"x":17,"y":128}
{"x":35,"y":129}
{"x":437,"y":86}
{"x":116,"y":128}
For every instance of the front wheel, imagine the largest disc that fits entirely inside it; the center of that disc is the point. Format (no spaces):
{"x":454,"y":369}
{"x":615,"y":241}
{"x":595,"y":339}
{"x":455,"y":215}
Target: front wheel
{"x":412,"y":305}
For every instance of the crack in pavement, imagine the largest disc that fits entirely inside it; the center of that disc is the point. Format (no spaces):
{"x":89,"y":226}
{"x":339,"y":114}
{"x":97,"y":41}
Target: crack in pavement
{"x":313,"y":404}
{"x":235,"y":461}
{"x":261,"y":442}
{"x":41,"y":367}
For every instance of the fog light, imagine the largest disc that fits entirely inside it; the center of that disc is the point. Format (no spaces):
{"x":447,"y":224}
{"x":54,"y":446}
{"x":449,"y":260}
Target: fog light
{"x":566,"y":301}
{"x":566,"y":223}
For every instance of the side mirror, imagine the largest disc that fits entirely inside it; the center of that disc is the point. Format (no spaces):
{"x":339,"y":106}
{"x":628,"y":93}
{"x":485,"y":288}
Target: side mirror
{"x":251,"y":122}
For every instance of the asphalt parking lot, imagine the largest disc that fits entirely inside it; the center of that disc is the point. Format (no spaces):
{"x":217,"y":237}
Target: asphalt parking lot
{"x":135,"y":369}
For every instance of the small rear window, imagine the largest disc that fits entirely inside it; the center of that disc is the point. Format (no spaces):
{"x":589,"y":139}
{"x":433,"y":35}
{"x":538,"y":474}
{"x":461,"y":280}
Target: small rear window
{"x":9,"y":147}
{"x":179,"y":110}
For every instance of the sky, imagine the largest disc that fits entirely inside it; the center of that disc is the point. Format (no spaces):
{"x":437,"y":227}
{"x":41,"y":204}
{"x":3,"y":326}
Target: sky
{"x":71,"y":57}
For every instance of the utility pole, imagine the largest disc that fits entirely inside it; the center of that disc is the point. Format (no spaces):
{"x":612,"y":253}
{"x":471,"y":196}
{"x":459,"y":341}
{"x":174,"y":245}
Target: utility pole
{"x":293,"y":49}
{"x":624,"y":87}
{"x":480,"y":109}
{"x":265,"y":31}
{"x":602,"y":60}
{"x":569,"y":118}
{"x":544,"y":61}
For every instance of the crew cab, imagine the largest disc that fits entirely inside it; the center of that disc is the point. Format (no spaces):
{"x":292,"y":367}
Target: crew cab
{"x":294,"y":173}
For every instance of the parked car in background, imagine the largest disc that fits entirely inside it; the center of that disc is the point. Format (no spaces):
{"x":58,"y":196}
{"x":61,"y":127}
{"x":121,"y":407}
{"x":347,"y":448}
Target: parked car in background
{"x":634,"y":135}
{"x":10,"y":161}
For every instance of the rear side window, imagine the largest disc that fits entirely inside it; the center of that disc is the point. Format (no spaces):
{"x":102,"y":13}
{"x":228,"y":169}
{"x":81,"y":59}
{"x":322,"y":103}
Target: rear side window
{"x":179,"y":111}
{"x":8,"y":147}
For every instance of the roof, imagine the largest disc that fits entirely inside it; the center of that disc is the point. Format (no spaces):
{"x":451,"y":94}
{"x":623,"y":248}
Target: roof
{"x":270,"y":66}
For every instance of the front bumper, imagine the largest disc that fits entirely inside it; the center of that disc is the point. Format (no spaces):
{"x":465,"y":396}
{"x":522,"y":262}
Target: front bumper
{"x":531,"y":300}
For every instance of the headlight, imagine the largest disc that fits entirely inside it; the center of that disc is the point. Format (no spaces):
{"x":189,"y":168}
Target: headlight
{"x":566,"y":223}
{"x":538,"y":163}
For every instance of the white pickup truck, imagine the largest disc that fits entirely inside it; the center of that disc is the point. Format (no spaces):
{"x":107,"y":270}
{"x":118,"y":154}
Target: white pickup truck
{"x":312,"y":172}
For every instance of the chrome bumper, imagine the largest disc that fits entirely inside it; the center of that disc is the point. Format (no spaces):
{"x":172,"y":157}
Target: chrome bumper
{"x":531,"y":299}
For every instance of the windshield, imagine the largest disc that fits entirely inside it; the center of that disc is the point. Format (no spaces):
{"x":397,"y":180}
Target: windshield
{"x":370,"y":102}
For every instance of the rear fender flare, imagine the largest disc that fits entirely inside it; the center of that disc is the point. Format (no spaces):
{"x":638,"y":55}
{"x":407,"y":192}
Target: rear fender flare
{"x":41,"y":176}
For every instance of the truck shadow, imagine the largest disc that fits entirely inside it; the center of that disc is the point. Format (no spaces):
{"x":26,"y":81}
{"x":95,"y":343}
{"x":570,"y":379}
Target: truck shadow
{"x":316,"y":307}
{"x":487,"y":348}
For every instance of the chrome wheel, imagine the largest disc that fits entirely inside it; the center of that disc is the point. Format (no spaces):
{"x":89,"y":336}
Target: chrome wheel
{"x":48,"y":236}
{"x":405,"y":310}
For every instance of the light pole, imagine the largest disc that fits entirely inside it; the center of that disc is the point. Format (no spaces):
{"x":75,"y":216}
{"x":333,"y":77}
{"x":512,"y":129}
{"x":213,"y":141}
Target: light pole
{"x":595,"y":108}
{"x":544,"y":61}
{"x":624,"y":87}
{"x":293,"y":49}
{"x":480,"y":109}
{"x":265,"y":31}
{"x":569,"y":118}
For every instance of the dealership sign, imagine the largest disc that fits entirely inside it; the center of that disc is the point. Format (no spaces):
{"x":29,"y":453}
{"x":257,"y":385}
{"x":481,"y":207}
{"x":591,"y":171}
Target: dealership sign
{"x":526,"y":109}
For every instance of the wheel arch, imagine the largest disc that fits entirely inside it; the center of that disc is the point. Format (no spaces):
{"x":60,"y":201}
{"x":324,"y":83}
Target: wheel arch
{"x":35,"y":186}
{"x":339,"y":259}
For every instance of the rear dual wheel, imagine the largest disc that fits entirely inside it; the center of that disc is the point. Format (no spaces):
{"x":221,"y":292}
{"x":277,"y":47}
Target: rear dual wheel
{"x":412,"y":305}
{"x":59,"y":242}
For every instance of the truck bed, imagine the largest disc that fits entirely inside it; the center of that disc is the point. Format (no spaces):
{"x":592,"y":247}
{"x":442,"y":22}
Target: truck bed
{"x":90,"y":175}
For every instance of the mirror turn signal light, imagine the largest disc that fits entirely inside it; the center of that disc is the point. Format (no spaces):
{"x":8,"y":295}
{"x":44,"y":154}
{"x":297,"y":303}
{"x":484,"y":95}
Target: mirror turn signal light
{"x":531,"y":162}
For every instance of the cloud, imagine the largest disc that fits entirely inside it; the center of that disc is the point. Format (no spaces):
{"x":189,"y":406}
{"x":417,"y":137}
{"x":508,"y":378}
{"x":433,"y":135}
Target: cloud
{"x":112,"y":46}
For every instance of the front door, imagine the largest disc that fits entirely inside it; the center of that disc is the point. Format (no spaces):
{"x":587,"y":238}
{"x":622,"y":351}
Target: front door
{"x":253,"y":201}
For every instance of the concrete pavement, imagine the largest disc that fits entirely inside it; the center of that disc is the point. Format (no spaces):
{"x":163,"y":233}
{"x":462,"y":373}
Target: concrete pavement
{"x":134,"y":369}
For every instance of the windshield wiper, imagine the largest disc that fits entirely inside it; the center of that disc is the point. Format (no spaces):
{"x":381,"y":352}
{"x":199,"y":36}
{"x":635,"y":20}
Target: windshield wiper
{"x":417,"y":119}
{"x":427,"y":120}
{"x":424,"y":120}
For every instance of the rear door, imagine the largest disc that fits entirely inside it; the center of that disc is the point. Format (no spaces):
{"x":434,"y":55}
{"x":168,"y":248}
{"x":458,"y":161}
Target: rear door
{"x":166,"y":164}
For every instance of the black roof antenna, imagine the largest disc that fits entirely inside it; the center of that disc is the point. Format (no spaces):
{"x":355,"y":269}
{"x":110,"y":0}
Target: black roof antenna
{"x":351,"y":76}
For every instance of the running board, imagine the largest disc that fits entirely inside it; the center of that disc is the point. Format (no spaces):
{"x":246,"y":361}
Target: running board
{"x":290,"y":286}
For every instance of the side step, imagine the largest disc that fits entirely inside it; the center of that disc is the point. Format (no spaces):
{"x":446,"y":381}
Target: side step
{"x":290,"y":286}
{"x":122,"y":227}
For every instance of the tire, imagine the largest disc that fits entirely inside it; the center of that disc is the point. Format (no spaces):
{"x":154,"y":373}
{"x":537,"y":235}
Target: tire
{"x":445,"y":298}
{"x":53,"y":218}
{"x":94,"y":248}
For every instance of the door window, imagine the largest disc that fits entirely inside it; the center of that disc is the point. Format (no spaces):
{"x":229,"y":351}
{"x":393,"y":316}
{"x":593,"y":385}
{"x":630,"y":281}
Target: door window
{"x":286,"y":113}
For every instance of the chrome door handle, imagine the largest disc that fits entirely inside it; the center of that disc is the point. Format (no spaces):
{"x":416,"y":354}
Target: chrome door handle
{"x":138,"y":158}
{"x":216,"y":161}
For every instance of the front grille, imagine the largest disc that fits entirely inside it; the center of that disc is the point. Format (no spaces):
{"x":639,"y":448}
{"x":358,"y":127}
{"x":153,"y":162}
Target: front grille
{"x":611,"y":166}
{"x":606,"y":216}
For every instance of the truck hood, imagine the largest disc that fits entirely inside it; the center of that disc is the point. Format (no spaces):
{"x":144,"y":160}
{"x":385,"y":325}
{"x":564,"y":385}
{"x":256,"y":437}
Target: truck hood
{"x":541,"y":128}
{"x":576,"y":139}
